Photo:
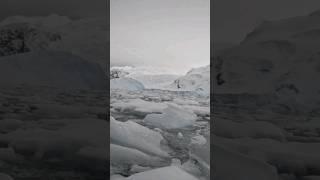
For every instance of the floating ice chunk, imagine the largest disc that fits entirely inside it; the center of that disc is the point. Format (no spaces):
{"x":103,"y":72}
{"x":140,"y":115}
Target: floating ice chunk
{"x":175,"y":162}
{"x":173,"y":117}
{"x":198,"y":140}
{"x":140,"y":106}
{"x":133,"y":135}
{"x":191,"y":167}
{"x":126,"y":83}
{"x":200,"y":151}
{"x":5,"y":177}
{"x":117,"y":177}
{"x":180,"y":135}
{"x":199,"y":110}
{"x":185,"y":102}
{"x":137,"y":169}
{"x":128,"y":156}
{"x":168,"y":173}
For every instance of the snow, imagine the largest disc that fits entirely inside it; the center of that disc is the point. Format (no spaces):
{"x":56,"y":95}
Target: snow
{"x":137,"y":169}
{"x":139,"y":105}
{"x":175,"y":162}
{"x":126,"y":83}
{"x":200,"y":151}
{"x":133,"y":155}
{"x":173,"y":117}
{"x":198,"y":140}
{"x":155,"y":81}
{"x":180,"y":135}
{"x":133,"y":135}
{"x":121,"y":155}
{"x":116,"y":177}
{"x":199,"y":110}
{"x":171,"y":172}
{"x":191,"y":167}
{"x":150,"y":77}
{"x":197,"y":79}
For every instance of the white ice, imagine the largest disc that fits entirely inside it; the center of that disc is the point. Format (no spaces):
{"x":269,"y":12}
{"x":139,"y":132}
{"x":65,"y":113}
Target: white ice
{"x":172,"y":117}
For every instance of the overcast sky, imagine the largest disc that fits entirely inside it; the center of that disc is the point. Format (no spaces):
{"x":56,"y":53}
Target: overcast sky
{"x":171,"y":34}
{"x":233,"y":19}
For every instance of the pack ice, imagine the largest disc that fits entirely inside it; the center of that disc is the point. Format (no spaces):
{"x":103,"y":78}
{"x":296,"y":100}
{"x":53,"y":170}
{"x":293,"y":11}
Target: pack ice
{"x":172,"y":117}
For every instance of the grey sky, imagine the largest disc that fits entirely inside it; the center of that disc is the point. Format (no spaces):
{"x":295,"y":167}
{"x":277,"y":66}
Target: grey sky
{"x":233,"y":19}
{"x":173,"y":34}
{"x":73,"y":8}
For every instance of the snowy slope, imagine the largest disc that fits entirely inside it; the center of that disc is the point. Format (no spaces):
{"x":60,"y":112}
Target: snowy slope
{"x":50,"y":68}
{"x":279,"y":57}
{"x":197,"y":79}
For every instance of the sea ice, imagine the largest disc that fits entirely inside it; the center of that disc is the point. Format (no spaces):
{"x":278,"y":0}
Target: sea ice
{"x":121,"y":155}
{"x":133,"y":135}
{"x":173,"y":117}
{"x":139,"y":105}
{"x":167,"y":173}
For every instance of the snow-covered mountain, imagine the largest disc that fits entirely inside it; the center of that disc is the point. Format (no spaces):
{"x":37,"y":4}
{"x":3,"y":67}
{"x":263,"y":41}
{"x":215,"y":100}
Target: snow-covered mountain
{"x":86,"y":38}
{"x":277,"y":57}
{"x":151,"y":78}
{"x":197,"y":79}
